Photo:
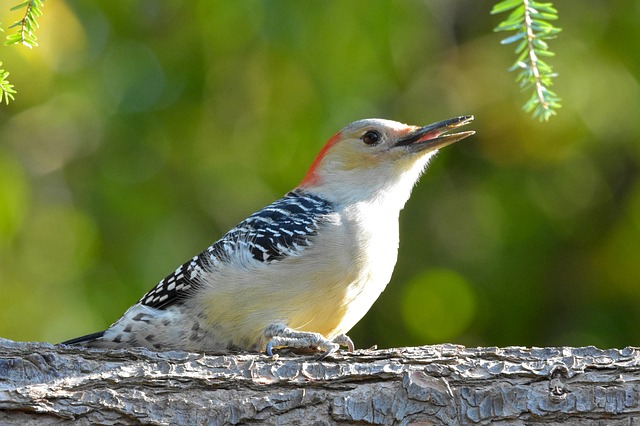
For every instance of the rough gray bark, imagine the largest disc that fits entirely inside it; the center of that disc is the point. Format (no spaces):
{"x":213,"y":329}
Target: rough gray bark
{"x":430,"y":385}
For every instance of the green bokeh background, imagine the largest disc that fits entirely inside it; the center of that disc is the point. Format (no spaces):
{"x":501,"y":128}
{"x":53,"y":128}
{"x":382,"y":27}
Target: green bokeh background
{"x":143,"y":130}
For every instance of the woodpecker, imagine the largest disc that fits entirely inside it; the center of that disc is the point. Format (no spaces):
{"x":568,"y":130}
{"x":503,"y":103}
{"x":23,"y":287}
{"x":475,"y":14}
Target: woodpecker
{"x":305,"y":269}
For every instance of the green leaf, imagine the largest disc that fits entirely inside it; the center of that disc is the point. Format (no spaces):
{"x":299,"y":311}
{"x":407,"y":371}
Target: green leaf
{"x":546,"y":7}
{"x":542,"y":15}
{"x":518,"y":65}
{"x":515,"y":37}
{"x":509,"y":26}
{"x":515,"y":18}
{"x":541,"y":25}
{"x":505,"y":5}
{"x":539,"y":44}
{"x":521,"y":49}
{"x":20,"y":6}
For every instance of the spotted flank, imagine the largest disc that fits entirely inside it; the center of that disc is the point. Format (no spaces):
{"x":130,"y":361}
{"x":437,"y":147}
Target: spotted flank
{"x":283,"y":228}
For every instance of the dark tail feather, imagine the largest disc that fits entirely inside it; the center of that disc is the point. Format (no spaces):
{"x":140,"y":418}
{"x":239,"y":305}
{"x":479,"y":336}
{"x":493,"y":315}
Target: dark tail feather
{"x":83,"y":339}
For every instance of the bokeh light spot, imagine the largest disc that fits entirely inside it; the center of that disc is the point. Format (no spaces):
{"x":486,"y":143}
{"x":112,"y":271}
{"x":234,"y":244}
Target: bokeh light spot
{"x":438,"y":305}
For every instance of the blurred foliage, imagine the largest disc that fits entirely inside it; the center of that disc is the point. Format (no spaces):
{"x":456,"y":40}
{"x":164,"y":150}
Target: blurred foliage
{"x":529,"y":19}
{"x":146,"y":130}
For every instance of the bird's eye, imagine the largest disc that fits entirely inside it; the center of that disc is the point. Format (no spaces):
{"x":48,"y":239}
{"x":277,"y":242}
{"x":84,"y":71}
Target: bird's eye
{"x":371,"y":137}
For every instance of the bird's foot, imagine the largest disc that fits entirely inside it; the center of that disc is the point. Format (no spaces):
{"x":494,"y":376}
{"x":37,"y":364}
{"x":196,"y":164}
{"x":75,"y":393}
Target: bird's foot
{"x":281,"y":336}
{"x":344,"y":340}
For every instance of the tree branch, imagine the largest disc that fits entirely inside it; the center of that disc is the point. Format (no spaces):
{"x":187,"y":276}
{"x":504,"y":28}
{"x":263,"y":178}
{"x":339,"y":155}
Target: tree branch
{"x":442,"y":384}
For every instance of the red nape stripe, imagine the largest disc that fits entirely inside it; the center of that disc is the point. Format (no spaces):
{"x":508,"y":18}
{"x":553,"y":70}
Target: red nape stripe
{"x":311,"y":178}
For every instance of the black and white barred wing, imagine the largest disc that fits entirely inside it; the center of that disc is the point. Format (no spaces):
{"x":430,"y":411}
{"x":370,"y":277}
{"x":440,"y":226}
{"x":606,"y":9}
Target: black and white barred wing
{"x":284,"y":228}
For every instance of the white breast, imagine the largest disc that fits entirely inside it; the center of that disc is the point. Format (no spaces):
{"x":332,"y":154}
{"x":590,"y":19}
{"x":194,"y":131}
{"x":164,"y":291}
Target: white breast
{"x":373,"y":235}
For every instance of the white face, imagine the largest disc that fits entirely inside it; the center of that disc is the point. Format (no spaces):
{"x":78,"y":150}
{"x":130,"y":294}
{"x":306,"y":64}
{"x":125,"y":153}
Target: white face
{"x":363,"y":159}
{"x":366,"y":144}
{"x":378,"y":160}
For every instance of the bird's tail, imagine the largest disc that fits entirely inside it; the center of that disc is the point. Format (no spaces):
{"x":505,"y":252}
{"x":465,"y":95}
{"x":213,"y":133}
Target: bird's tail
{"x":83,"y":339}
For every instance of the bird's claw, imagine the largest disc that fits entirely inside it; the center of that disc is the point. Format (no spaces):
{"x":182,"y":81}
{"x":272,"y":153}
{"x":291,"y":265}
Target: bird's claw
{"x":344,"y":340}
{"x":284,"y":336}
{"x":269,"y":348}
{"x":341,"y":340}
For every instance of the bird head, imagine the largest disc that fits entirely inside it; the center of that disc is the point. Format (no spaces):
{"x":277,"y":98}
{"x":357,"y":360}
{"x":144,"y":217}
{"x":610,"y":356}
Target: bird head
{"x":373,"y":158}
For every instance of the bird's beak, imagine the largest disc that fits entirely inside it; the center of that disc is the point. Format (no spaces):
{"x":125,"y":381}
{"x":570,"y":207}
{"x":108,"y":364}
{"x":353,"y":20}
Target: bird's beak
{"x":434,"y":135}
